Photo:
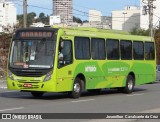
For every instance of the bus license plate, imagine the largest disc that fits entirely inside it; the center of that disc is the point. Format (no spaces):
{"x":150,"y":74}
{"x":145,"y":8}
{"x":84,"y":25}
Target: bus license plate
{"x":27,"y":85}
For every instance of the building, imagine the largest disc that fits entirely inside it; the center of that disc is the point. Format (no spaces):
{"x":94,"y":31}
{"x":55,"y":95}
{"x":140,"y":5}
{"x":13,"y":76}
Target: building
{"x":64,"y":10}
{"x":126,"y":19}
{"x":144,"y":20}
{"x":54,"y":20}
{"x":8,"y":14}
{"x":38,"y":24}
{"x":95,"y":16}
{"x":107,"y":21}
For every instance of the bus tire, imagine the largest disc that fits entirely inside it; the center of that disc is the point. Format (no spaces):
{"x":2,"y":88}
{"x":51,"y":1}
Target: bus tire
{"x":129,"y":84}
{"x":37,"y":94}
{"x":77,"y":88}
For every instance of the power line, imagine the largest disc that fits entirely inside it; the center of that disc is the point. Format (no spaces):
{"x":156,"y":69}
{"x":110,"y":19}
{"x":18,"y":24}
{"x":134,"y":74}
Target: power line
{"x":92,"y":15}
{"x":29,"y":5}
{"x":90,"y":8}
{"x":79,"y":11}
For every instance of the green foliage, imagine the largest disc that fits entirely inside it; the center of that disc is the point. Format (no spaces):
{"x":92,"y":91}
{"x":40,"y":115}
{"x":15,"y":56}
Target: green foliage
{"x":139,"y":31}
{"x":76,"y":19}
{"x":31,"y":19}
{"x":85,"y":21}
{"x":41,"y":15}
{"x":42,"y":18}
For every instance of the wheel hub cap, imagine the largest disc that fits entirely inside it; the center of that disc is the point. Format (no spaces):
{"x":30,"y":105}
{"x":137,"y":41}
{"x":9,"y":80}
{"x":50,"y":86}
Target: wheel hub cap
{"x":77,"y":88}
{"x":130,"y":85}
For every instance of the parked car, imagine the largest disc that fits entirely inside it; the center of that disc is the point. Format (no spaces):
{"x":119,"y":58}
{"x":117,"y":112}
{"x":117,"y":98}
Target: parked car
{"x":158,"y":73}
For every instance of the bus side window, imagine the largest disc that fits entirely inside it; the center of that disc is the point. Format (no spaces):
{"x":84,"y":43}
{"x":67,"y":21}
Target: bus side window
{"x":66,"y":51}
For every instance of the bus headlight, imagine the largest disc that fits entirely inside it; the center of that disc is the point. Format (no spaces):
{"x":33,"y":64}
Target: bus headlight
{"x":48,"y":76}
{"x":10,"y":75}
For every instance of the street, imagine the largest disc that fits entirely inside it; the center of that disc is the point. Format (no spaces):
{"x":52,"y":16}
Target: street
{"x":144,"y":99}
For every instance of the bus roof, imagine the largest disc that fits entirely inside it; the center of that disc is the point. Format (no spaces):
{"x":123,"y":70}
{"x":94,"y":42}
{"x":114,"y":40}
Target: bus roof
{"x":104,"y":33}
{"x":91,"y":32}
{"x":37,"y":28}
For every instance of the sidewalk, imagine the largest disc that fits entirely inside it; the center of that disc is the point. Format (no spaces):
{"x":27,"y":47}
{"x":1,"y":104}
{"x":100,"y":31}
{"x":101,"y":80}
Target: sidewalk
{"x":3,"y":84}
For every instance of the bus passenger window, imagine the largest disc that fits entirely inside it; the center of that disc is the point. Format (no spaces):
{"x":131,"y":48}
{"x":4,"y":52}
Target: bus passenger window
{"x":126,"y":50}
{"x":138,"y":50}
{"x":149,"y":51}
{"x":112,"y":49}
{"x":82,"y":48}
{"x":98,"y":48}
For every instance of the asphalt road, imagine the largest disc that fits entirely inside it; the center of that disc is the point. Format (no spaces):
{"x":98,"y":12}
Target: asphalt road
{"x":144,"y":99}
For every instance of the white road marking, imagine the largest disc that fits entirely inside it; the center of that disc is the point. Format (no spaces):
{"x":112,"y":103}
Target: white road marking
{"x":134,"y":94}
{"x":82,"y":100}
{"x":11,"y":109}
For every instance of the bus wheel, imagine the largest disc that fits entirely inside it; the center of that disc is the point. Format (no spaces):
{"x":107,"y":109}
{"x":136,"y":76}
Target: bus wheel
{"x":37,"y":94}
{"x":77,"y":88}
{"x":129,"y":84}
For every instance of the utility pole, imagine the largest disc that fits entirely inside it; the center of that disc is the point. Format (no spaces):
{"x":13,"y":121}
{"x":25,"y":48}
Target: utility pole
{"x":150,"y":5}
{"x":24,"y":13}
{"x":149,"y":9}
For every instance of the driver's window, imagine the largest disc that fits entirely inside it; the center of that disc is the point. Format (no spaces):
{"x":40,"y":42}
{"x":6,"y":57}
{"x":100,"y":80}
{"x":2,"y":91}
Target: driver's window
{"x":65,"y":53}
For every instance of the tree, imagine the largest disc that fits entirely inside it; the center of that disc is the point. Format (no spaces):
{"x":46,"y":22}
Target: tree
{"x":42,"y":15}
{"x":139,"y":31}
{"x":42,"y":18}
{"x":30,"y":18}
{"x":157,"y":40}
{"x":76,"y":19}
{"x":20,"y":19}
{"x":85,"y":21}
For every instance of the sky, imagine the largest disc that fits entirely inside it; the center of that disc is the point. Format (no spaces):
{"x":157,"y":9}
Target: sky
{"x":105,"y":6}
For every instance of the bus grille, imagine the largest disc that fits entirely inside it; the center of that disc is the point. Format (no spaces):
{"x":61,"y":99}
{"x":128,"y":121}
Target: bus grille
{"x":30,"y":81}
{"x":29,"y":74}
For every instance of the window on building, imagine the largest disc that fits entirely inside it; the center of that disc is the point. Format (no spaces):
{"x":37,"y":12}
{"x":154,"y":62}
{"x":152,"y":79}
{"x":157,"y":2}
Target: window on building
{"x":82,"y":48}
{"x":112,"y":49}
{"x":126,"y":50}
{"x":138,"y":50}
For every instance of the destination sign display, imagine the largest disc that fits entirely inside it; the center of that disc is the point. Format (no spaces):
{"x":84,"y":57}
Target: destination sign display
{"x":40,"y":34}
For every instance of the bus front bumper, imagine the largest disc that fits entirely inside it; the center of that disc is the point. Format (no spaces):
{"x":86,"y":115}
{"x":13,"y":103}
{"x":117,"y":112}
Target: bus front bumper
{"x":48,"y":86}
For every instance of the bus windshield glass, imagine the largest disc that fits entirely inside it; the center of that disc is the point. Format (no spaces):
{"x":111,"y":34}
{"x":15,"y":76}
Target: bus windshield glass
{"x":32,"y":54}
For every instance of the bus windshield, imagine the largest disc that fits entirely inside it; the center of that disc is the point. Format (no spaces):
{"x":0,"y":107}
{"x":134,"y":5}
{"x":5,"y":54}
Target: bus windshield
{"x":32,"y":54}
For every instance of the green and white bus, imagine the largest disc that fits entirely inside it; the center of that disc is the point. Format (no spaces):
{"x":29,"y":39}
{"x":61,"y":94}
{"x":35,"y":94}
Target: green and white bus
{"x":76,"y":59}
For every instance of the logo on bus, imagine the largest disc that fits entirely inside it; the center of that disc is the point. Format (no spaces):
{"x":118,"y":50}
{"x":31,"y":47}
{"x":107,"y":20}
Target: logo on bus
{"x":90,"y":69}
{"x":120,"y":69}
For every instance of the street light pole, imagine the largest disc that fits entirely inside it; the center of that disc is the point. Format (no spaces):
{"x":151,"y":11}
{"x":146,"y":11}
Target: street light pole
{"x":124,"y":13}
